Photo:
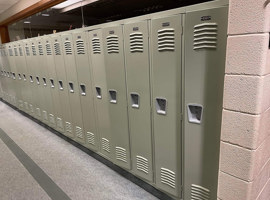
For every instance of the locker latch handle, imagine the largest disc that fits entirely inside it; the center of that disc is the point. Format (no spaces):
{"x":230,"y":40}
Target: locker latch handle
{"x":31,"y":79}
{"x":98,"y":92}
{"x":161,"y":106}
{"x":37,"y":80}
{"x":61,"y":85}
{"x":24,"y":77}
{"x":20,"y":77}
{"x":113,"y":96}
{"x":13,"y":75}
{"x":195,"y":112}
{"x":52,"y":83}
{"x":83,"y":90}
{"x":44,"y":81}
{"x":71,"y":87}
{"x":135,"y":100}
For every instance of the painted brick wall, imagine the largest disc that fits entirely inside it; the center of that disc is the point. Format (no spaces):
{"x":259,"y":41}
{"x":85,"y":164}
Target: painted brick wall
{"x":245,"y":137}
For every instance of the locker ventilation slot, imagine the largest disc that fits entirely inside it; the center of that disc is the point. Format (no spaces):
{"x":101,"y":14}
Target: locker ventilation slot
{"x":166,"y":39}
{"x":34,"y":50}
{"x":199,"y":193}
{"x":10,"y":52}
{"x":68,"y":127}
{"x":48,"y":49}
{"x":105,"y":144}
{"x":121,"y":154}
{"x":142,"y":164}
{"x":16,"y":51}
{"x":27,"y":51}
{"x":51,"y":117}
{"x":57,"y":48}
{"x":136,"y":42}
{"x":45,"y":116}
{"x":112,"y":44}
{"x":20,"y":51}
{"x":68,"y":50}
{"x":38,"y":112}
{"x":79,"y":132}
{"x":59,"y":123}
{"x":205,"y":36}
{"x":96,"y":46}
{"x":167,"y":177}
{"x":40,"y":50}
{"x":90,"y":138}
{"x":80,"y":47}
{"x":31,"y":108}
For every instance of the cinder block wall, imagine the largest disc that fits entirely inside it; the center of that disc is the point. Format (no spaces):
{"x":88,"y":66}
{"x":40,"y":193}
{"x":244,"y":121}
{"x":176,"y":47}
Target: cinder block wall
{"x":245,"y":137}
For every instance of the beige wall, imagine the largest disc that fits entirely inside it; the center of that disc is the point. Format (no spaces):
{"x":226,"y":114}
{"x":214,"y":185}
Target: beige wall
{"x":245,"y":138}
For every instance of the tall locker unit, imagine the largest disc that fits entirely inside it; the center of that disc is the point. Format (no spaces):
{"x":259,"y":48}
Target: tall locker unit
{"x":116,"y":80}
{"x":53,"y":84}
{"x":85,"y":89}
{"x":47,"y":110}
{"x":4,"y":67}
{"x":30,"y":78}
{"x":39,"y":95}
{"x":97,"y":68}
{"x":16,"y":71}
{"x":25,"y":78}
{"x":66,"y":122}
{"x":205,"y":51}
{"x":166,"y":85}
{"x":73,"y":88}
{"x":12,"y":76}
{"x":136,"y":38}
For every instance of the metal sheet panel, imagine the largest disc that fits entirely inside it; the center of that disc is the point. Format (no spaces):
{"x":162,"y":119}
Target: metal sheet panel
{"x":137,"y":61}
{"x":166,"y":86}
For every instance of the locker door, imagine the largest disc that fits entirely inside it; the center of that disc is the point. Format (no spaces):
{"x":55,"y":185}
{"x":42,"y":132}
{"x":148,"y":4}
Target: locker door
{"x":166,"y":86}
{"x":85,"y":89}
{"x":30,"y":78}
{"x":73,"y":88}
{"x":139,"y":99}
{"x":62,"y":86}
{"x":12,"y":84}
{"x":116,"y":79}
{"x":53,"y":84}
{"x":24,"y":78}
{"x":97,"y":67}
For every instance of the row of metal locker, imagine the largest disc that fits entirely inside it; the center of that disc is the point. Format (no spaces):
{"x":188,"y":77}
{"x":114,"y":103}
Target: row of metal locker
{"x":124,"y":90}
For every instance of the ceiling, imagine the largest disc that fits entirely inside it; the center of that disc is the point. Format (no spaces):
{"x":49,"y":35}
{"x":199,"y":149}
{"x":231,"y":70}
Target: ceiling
{"x":5,"y":4}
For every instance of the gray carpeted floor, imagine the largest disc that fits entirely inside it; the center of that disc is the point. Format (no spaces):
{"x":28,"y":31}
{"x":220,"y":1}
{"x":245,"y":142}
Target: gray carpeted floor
{"x":76,"y":173}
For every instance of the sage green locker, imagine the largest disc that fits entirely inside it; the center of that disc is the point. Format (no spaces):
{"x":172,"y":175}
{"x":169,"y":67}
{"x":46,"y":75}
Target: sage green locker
{"x":30,"y":77}
{"x":62,"y":85}
{"x":97,"y":68}
{"x":117,"y":93}
{"x":16,"y":75}
{"x":166,"y":85}
{"x":73,"y":88}
{"x":205,"y":52}
{"x":137,"y":63}
{"x":25,"y":78}
{"x":85,"y":89}
{"x":6,"y":79}
{"x":53,"y":84}
{"x":47,"y":110}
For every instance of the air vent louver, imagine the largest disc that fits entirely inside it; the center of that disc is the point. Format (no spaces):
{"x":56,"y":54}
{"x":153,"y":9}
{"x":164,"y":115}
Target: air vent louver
{"x":16,"y":51}
{"x":52,"y":120}
{"x":142,"y":164}
{"x":121,"y":154}
{"x":10,"y":52}
{"x":48,"y":49}
{"x":68,"y":127}
{"x":27,"y":51}
{"x":96,"y":46}
{"x":59,"y":123}
{"x":136,"y":42}
{"x":112,"y":44}
{"x":67,"y":45}
{"x":166,"y":39}
{"x":205,"y":36}
{"x":90,"y":138}
{"x":40,"y":50}
{"x":105,"y":144}
{"x":20,"y":51}
{"x":199,"y":193}
{"x":79,"y":132}
{"x":168,"y":177}
{"x":34,"y":50}
{"x":57,"y":48}
{"x":80,"y":47}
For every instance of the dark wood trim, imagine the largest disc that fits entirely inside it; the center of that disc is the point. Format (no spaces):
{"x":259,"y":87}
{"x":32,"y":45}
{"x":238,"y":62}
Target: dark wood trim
{"x":31,"y":10}
{"x":4,"y":34}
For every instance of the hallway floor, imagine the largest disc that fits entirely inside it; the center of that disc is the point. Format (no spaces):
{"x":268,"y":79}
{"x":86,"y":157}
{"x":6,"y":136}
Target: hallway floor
{"x":37,"y":164}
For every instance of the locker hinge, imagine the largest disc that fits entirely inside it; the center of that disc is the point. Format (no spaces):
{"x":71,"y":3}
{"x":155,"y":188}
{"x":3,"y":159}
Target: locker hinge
{"x":182,"y":30}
